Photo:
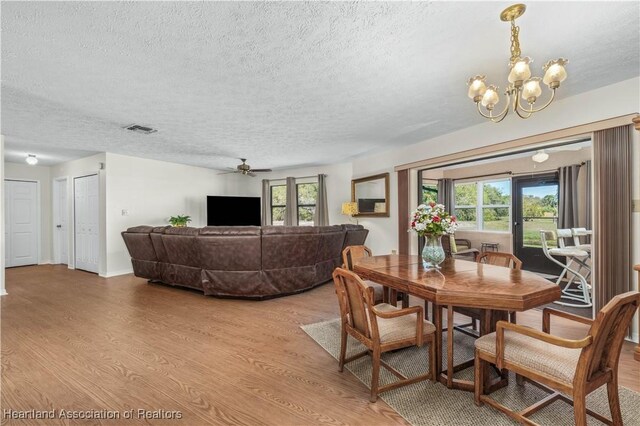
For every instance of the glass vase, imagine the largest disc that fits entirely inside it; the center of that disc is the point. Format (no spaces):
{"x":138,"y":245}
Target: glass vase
{"x":432,"y":253}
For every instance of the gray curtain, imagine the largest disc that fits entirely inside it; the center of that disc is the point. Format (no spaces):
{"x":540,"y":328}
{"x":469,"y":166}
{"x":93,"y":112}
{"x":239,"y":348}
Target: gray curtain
{"x":291,"y":204}
{"x":586,"y":169}
{"x":446,"y":194}
{"x":568,"y":197}
{"x":612,"y":214}
{"x":321,"y":215}
{"x":266,"y":202}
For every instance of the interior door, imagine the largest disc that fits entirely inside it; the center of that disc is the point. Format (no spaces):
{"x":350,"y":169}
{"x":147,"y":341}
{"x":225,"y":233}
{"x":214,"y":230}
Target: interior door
{"x":86,"y":233}
{"x":535,"y":208}
{"x":61,"y":222}
{"x":21,"y":223}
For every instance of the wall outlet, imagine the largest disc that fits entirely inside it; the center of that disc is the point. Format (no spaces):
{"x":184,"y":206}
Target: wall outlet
{"x":125,"y":212}
{"x":394,"y":251}
{"x":635,"y":206}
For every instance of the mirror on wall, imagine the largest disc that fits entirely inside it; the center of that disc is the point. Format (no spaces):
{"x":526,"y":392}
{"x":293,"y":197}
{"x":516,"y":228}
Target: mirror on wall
{"x":371,"y":195}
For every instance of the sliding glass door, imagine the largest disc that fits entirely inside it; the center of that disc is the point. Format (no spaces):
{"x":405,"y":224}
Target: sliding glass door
{"x":535,"y":208}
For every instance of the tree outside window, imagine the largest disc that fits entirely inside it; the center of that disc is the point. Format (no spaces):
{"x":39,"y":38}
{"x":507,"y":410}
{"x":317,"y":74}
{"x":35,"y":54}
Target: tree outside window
{"x":484,"y":205}
{"x":306,"y":196}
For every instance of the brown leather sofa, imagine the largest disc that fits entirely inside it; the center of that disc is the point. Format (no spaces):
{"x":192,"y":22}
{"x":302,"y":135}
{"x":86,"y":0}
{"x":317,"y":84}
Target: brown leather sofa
{"x":241,"y":261}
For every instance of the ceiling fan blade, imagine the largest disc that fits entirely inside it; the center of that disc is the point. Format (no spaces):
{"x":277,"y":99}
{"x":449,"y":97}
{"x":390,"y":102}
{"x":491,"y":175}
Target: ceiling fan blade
{"x":251,"y":174}
{"x":261,"y":170}
{"x":228,"y":173}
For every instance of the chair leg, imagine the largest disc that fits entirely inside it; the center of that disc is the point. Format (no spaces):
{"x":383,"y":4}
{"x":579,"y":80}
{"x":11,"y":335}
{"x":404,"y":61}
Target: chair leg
{"x":432,"y":361}
{"x":478,"y":379}
{"x":343,"y":348}
{"x":614,"y":401}
{"x":426,"y":310}
{"x":512,"y":316}
{"x":580,"y":408}
{"x":375,"y":374}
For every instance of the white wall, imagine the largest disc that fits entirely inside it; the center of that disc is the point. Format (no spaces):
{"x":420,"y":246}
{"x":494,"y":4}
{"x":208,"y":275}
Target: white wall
{"x":77,"y":168}
{"x":2,"y":287}
{"x":23,"y":171}
{"x":151,"y":191}
{"x":600,"y":104}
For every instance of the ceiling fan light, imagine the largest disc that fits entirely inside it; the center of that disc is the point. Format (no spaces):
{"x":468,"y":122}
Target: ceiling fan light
{"x":31,"y":160}
{"x":540,"y":156}
{"x":477,"y":87}
{"x":555,"y":72}
{"x":520,"y":70}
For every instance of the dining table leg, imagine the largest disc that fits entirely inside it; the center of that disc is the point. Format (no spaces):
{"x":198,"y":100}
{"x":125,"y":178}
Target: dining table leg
{"x":437,"y":319}
{"x":450,"y":346}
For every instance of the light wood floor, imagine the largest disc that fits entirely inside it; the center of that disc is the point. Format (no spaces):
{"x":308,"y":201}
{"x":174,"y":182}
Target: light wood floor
{"x":72,"y":340}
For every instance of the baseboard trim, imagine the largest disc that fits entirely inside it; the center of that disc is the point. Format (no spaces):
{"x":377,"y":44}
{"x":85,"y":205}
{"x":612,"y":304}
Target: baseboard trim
{"x":117,"y":273}
{"x":3,"y":292}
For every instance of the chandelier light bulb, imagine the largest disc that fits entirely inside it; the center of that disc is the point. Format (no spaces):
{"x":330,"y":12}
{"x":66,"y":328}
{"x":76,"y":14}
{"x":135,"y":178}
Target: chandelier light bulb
{"x":555,"y":72}
{"x":477,"y":87}
{"x":520,"y":70}
{"x":490,"y":98}
{"x":31,"y":160}
{"x":540,"y":156}
{"x":531,"y":90}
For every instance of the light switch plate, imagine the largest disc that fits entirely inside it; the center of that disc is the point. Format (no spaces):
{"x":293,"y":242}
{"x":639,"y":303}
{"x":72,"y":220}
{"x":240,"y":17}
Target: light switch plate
{"x":635,"y":206}
{"x":125,"y":212}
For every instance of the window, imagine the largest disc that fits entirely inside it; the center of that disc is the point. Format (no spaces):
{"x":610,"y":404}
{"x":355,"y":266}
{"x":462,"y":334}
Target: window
{"x":306,"y":196}
{"x":278,"y":201}
{"x":429,"y":192}
{"x":484,"y":205}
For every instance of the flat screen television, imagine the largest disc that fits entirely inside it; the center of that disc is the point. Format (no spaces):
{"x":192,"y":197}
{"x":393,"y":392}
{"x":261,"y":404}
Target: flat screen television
{"x":233,"y":211}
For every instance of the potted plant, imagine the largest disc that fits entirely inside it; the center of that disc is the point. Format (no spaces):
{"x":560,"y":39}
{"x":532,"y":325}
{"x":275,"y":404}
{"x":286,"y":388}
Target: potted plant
{"x":179,"y":221}
{"x":432,"y":222}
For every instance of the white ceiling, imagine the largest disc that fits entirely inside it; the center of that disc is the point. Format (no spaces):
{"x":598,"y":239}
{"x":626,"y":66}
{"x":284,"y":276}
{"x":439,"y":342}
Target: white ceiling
{"x":281,"y":83}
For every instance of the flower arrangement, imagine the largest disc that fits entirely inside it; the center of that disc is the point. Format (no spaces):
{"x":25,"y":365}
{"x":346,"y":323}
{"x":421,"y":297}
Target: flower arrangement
{"x":432,"y":219}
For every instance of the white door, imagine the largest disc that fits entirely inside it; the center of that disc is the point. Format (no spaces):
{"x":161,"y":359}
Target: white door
{"x":21,"y":223}
{"x":86,"y":223}
{"x":60,"y":221}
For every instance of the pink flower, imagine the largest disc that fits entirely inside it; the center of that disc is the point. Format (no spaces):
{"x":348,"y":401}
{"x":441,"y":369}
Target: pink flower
{"x":432,"y":204}
{"x":436,"y":219}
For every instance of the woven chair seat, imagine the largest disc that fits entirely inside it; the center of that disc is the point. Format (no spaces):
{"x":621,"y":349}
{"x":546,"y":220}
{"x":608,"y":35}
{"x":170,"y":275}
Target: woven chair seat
{"x":400,"y":328}
{"x":533,"y":354}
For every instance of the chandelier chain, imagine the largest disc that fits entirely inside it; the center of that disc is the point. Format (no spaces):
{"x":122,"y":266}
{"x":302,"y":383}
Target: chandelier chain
{"x":515,"y":42}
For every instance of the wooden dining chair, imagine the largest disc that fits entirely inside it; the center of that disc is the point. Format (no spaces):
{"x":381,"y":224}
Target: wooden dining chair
{"x":381,"y":328}
{"x":496,"y":258}
{"x":351,"y":254}
{"x":562,"y":366}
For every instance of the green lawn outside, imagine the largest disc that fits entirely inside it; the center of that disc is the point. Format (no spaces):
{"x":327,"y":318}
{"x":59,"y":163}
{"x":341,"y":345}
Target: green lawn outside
{"x":531,"y":229}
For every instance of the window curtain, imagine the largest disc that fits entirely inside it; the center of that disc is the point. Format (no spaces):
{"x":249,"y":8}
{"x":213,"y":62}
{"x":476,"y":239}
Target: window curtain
{"x":568,"y":197}
{"x":266,"y":203}
{"x":321,"y":215}
{"x":446,"y":194}
{"x":612,"y":214}
{"x":291,"y":204}
{"x":584,"y":198}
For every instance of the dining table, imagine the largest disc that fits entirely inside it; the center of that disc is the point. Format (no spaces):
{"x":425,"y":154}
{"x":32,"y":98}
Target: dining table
{"x":493,"y":290}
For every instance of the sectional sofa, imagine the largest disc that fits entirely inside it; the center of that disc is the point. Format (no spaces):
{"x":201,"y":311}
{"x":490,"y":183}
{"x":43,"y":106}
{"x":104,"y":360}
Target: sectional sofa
{"x":243,"y":262}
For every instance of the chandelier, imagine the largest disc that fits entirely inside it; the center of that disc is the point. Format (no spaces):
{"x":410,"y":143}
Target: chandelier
{"x":521,"y":84}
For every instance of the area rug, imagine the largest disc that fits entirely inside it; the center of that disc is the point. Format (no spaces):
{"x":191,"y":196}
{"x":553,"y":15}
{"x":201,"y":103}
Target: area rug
{"x":428,"y":403}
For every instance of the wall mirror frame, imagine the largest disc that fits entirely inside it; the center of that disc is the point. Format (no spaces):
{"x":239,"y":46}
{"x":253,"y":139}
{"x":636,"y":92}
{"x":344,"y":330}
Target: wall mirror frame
{"x":371,"y":194}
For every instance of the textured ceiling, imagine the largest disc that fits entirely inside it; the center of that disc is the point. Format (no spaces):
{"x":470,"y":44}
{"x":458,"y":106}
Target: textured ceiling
{"x":281,"y":83}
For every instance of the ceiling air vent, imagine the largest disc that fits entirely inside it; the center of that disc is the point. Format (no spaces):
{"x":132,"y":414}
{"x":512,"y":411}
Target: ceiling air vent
{"x":140,"y":129}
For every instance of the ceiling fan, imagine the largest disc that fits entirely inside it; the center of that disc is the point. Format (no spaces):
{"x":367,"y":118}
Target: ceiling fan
{"x":245,"y":169}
